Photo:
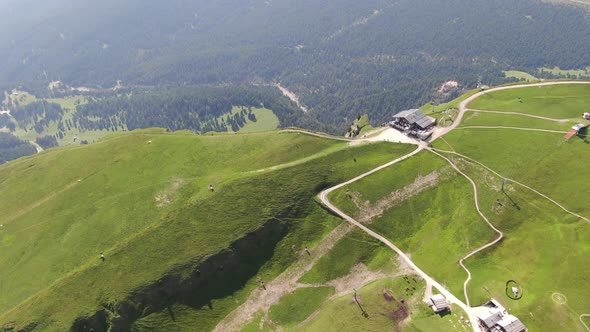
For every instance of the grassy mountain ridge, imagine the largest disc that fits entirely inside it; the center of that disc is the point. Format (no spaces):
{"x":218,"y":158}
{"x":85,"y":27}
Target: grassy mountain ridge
{"x":148,"y":207}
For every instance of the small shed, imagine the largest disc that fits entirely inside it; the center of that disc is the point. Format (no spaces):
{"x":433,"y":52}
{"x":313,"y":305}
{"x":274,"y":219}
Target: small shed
{"x":575,"y":130}
{"x":439,"y":303}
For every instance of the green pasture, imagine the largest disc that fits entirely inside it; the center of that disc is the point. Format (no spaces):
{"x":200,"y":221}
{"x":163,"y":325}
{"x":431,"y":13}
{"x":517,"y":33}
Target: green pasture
{"x":520,"y":75}
{"x":147,"y":206}
{"x":544,"y":250}
{"x":295,"y":307}
{"x":554,"y":101}
{"x":343,"y":314}
{"x":544,"y":161}
{"x":473,"y":118}
{"x":427,"y":225}
{"x":265,"y":120}
{"x":356,"y":247}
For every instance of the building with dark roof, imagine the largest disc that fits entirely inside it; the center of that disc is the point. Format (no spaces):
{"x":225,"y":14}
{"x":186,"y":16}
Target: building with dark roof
{"x":510,"y":323}
{"x":493,"y":317}
{"x":413,"y":119}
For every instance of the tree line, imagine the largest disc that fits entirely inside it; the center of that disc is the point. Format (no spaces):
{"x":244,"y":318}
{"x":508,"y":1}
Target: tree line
{"x":376,"y":57}
{"x":201,"y":109}
{"x":11,"y":147}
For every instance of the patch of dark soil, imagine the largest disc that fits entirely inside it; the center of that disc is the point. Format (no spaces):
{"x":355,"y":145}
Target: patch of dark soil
{"x":388,"y":296}
{"x":399,"y":315}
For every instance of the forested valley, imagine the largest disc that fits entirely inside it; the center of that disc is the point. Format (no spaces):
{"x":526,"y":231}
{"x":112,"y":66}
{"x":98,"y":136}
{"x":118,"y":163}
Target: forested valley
{"x":183,"y":65}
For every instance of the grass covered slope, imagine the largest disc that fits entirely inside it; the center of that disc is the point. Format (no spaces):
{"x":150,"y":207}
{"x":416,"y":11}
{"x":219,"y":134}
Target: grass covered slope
{"x":544,"y":161}
{"x":143,"y":198}
{"x":544,"y":248}
{"x":426,"y":209}
{"x":519,"y":75}
{"x":304,"y":231}
{"x":262,"y":119}
{"x":554,"y":101}
{"x":297,"y":306}
{"x":473,"y":118}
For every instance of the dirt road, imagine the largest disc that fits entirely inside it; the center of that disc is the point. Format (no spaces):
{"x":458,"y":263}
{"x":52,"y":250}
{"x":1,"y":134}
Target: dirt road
{"x":247,"y":310}
{"x":463,"y":105}
{"x":450,"y":297}
{"x":485,"y":246}
{"x":429,"y":280}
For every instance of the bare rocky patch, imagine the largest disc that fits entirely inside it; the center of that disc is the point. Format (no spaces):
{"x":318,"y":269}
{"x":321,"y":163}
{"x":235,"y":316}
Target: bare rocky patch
{"x":359,"y":276}
{"x":368,"y":212}
{"x":167,"y":196}
{"x":472,"y":114}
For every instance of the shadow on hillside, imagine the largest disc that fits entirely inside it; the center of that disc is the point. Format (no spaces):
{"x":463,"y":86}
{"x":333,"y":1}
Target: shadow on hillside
{"x":514,"y":204}
{"x":444,"y":314}
{"x":583,"y":135}
{"x":217,"y":277}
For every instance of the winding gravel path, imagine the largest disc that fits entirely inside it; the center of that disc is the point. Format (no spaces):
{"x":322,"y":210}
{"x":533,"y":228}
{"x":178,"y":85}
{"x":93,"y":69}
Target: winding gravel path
{"x":323,"y":196}
{"x":584,"y":323}
{"x":462,"y":109}
{"x":485,"y":246}
{"x":464,"y":103}
{"x":450,"y":296}
{"x":516,"y":182}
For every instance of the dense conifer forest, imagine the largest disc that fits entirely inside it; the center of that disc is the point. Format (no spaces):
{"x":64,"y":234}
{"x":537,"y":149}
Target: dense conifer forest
{"x":12,"y":148}
{"x":342,"y":58}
